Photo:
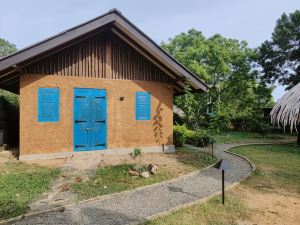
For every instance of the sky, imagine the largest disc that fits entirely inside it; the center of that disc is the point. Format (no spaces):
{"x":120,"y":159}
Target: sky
{"x":26,"y":22}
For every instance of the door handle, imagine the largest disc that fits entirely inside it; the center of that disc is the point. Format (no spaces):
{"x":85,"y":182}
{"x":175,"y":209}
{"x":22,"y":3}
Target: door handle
{"x":80,"y":121}
{"x":79,"y":146}
{"x":99,"y":145}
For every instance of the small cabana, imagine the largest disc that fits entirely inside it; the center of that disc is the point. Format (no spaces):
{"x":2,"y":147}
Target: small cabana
{"x":287,"y":111}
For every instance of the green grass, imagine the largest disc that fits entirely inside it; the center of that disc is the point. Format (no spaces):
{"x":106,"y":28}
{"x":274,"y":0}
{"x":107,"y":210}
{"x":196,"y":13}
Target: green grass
{"x":277,"y":166}
{"x":113,"y":179}
{"x":209,"y":213}
{"x":239,"y":137}
{"x":20,"y":184}
{"x":196,"y":159}
{"x":277,"y":169}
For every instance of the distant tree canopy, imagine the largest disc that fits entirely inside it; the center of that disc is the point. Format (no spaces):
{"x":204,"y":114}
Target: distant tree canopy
{"x":6,"y":48}
{"x":227,"y":66}
{"x":280,"y":57}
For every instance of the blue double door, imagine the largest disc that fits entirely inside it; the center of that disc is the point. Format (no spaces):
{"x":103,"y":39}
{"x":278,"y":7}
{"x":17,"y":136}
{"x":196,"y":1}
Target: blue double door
{"x":89,"y":119}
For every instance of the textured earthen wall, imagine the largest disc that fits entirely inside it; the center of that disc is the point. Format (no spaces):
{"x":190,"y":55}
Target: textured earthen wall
{"x":122,"y":128}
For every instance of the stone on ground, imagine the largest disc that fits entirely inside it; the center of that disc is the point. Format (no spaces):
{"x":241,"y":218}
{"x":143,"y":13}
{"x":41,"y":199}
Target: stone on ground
{"x":145,"y":174}
{"x":152,"y":168}
{"x":133,"y":173}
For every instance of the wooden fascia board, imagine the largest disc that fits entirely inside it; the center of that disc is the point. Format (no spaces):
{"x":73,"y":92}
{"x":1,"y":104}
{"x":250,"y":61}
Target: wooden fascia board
{"x":157,"y":53}
{"x":54,"y":42}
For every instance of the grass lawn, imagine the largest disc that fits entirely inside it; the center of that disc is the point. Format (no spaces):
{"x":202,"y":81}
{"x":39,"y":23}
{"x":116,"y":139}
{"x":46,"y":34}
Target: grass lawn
{"x":277,"y":169}
{"x":239,"y":137}
{"x":20,"y":184}
{"x":196,"y":159}
{"x":113,"y":179}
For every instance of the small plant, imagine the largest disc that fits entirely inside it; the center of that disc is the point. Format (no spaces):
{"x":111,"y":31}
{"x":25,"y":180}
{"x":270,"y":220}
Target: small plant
{"x":137,"y":154}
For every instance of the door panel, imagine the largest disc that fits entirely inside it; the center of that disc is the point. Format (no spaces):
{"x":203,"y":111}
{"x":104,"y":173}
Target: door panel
{"x":89,"y":119}
{"x":98,"y":119}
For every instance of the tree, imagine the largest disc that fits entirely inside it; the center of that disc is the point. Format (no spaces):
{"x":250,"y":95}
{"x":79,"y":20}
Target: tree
{"x":227,"y":66}
{"x":6,"y":48}
{"x":280,"y":57}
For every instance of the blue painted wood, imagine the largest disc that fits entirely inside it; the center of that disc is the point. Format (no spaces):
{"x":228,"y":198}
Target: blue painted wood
{"x":90,"y":123}
{"x":142,"y":106}
{"x":48,"y":105}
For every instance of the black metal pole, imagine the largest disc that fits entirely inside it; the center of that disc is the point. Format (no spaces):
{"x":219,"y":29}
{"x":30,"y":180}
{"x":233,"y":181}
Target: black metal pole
{"x":223,"y":188}
{"x":212,"y":149}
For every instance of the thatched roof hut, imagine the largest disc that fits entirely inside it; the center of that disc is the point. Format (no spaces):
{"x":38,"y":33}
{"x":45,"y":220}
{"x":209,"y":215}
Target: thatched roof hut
{"x":287,"y":110}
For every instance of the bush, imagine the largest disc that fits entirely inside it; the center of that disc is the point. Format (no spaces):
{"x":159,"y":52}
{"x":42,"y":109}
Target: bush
{"x":201,"y":138}
{"x":181,"y":134}
{"x":217,"y":122}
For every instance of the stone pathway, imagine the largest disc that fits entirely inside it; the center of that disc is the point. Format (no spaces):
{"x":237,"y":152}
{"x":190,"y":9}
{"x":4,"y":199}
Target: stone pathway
{"x":134,"y":206}
{"x":79,"y":167}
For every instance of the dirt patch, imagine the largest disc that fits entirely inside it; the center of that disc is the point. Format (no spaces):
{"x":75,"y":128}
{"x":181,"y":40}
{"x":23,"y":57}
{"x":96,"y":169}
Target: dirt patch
{"x":52,"y":163}
{"x":270,"y":208}
{"x":173,"y":162}
{"x":7,"y":156}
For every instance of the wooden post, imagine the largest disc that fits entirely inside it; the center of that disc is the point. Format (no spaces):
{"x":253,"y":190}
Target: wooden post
{"x":223,"y":188}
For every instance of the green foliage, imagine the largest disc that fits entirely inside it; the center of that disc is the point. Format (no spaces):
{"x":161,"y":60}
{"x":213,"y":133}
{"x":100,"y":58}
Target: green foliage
{"x":280,"y":57}
{"x":200,"y":137}
{"x":20,"y":184}
{"x":230,"y":136}
{"x":227,"y":66}
{"x":181,"y":133}
{"x":183,"y":130}
{"x":12,"y":98}
{"x":9,"y":108}
{"x":6,"y":48}
{"x":136,"y":152}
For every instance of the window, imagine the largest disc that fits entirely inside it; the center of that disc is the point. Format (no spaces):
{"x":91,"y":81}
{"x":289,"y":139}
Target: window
{"x":142,"y":106}
{"x":48,"y":104}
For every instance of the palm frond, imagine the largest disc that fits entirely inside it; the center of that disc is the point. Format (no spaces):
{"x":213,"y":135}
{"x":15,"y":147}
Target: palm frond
{"x":286,"y":112}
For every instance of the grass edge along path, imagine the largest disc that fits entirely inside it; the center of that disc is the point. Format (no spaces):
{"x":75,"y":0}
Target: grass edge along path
{"x":20,"y":184}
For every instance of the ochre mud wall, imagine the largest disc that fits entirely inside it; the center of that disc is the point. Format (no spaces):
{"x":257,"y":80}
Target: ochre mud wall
{"x":122,"y":128}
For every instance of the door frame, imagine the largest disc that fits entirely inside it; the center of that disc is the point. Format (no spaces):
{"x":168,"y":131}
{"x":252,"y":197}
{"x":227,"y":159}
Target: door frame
{"x":74,"y":134}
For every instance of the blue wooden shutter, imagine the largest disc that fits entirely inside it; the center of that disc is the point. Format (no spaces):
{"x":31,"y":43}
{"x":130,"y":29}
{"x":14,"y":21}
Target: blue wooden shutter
{"x":142,"y":107}
{"x":48,"y":104}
